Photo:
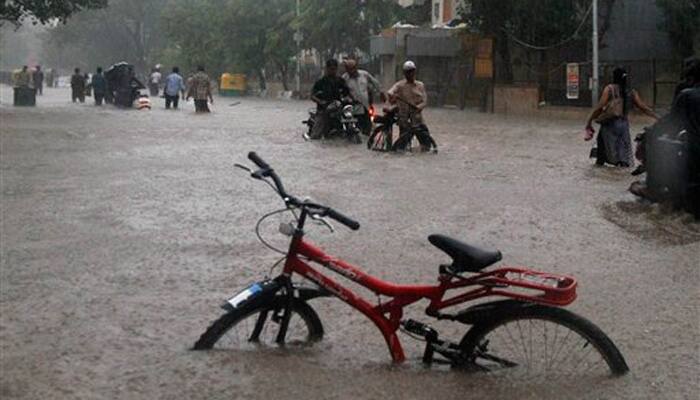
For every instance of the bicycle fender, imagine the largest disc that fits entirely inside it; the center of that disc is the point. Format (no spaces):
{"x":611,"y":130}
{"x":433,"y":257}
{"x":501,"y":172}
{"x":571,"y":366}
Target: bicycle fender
{"x":254,"y":295}
{"x":306,"y":293}
{"x":487,"y":311}
{"x":264,"y":291}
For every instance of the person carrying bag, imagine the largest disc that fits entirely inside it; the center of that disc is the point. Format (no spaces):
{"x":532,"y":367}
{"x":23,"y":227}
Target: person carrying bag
{"x":614,"y":145}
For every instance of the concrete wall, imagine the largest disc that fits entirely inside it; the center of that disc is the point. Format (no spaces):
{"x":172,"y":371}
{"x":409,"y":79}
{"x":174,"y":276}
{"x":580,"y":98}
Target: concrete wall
{"x":515,"y":99}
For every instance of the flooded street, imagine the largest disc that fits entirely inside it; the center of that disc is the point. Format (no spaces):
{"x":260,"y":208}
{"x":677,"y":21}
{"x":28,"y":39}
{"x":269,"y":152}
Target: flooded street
{"x":123,"y":231}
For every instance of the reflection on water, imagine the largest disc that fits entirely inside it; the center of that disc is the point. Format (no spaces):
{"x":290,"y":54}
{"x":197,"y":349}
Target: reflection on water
{"x":653,"y":222}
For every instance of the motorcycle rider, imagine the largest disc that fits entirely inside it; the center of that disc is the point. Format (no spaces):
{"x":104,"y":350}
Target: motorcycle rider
{"x":411,"y":98}
{"x":325,"y":91}
{"x":362,"y":86}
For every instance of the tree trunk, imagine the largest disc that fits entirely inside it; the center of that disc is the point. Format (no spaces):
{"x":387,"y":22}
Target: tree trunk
{"x":284,"y":73}
{"x":261,"y":79}
{"x":505,"y":69}
{"x":543,"y":75}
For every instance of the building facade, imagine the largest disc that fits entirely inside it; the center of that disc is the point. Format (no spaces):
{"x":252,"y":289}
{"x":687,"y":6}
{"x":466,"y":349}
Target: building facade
{"x":444,"y":11}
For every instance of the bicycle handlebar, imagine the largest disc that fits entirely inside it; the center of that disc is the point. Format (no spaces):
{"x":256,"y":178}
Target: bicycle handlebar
{"x":266,"y":170}
{"x":349,"y":222}
{"x":252,"y":156}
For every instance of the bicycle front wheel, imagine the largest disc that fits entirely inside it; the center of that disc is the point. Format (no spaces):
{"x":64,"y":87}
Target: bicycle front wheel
{"x":246,"y":330}
{"x":537,"y":341}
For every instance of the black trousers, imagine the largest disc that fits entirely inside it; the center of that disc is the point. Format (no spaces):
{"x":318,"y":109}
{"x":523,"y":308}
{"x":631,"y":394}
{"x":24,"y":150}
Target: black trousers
{"x":201,"y":106}
{"x":406,"y":134}
{"x":98,"y":98}
{"x":322,"y":125}
{"x":365,"y":123}
{"x":174,"y":100}
{"x":78,"y":95}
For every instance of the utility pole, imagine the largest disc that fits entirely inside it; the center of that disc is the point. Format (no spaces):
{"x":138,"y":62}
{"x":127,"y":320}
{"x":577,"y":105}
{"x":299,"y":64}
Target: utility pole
{"x":595,"y":82}
{"x":298,"y":38}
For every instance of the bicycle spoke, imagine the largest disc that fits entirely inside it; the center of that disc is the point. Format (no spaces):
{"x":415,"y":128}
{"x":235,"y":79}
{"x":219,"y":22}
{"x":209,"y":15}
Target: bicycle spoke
{"x":534,"y":349}
{"x":261,"y":329}
{"x":522,"y":341}
{"x":544,"y":326}
{"x":514,"y":344}
{"x":556,"y":355}
{"x":554,"y":346}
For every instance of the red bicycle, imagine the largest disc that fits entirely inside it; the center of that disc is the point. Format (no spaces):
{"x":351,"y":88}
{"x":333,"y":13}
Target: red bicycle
{"x":525,"y":331}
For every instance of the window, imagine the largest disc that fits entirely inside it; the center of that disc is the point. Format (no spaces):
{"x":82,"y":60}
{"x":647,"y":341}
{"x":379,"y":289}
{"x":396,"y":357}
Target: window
{"x":436,"y":12}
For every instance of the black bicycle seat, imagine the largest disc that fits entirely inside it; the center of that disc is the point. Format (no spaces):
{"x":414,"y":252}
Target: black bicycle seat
{"x":465,"y":257}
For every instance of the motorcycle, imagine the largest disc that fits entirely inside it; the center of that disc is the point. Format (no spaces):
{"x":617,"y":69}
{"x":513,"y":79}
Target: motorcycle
{"x":344,"y":121}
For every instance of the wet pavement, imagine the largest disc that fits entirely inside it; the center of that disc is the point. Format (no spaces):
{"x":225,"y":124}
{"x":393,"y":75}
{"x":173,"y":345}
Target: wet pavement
{"x":123,"y":231}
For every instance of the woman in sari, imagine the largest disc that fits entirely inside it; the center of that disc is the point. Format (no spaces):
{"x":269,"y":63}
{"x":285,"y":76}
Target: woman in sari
{"x":613,"y":142}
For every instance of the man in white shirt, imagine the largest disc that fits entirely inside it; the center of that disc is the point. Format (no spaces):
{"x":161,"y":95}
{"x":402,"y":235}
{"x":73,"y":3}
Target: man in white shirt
{"x":411,"y":98}
{"x":362,"y":86}
{"x":154,"y":81}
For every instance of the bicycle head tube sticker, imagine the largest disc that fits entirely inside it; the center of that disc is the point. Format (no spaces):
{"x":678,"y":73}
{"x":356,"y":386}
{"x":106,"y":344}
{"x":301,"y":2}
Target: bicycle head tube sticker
{"x":245,"y":295}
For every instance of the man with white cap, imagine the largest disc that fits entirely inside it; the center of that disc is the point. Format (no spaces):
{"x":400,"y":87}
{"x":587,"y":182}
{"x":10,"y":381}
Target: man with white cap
{"x":410,"y":96}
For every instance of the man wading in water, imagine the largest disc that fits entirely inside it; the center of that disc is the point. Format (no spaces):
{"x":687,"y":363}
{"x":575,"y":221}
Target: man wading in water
{"x":410,"y":96}
{"x":200,"y":89}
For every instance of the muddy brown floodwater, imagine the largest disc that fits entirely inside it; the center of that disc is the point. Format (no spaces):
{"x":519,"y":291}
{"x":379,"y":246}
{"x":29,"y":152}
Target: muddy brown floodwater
{"x":123,"y":231}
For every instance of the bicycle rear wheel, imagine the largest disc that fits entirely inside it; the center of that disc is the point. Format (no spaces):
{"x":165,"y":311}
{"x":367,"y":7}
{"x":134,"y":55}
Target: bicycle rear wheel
{"x":537,"y":341}
{"x":252,"y":329}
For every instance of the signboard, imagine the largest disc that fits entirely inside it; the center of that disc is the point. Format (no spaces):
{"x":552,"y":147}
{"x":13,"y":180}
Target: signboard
{"x":483,"y":68}
{"x":572,"y":81}
{"x":483,"y":63}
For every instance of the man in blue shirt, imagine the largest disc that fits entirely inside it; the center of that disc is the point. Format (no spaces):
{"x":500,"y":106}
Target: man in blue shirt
{"x":174,"y":85}
{"x":99,"y":86}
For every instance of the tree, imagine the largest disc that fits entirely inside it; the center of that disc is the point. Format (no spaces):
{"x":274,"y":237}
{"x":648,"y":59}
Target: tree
{"x":546,"y":23}
{"x":127,"y":30}
{"x":44,"y":11}
{"x":344,"y":26}
{"x":194,"y":35}
{"x":682,"y":23}
{"x":257,"y":37}
{"x":240,"y":35}
{"x":418,"y":14}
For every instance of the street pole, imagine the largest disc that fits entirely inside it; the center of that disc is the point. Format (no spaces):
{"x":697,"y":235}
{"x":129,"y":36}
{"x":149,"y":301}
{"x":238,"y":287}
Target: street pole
{"x":595,"y":83}
{"x":298,"y":40}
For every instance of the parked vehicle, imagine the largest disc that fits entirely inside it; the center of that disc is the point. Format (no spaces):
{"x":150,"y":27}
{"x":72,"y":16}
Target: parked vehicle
{"x":123,"y":88}
{"x":526,"y":332}
{"x":344,"y":121}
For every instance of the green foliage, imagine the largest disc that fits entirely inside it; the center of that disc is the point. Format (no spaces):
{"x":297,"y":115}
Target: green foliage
{"x":542,"y":23}
{"x":420,"y":14}
{"x":251,"y":36}
{"x":231,"y":35}
{"x":44,"y":11}
{"x":682,"y":23}
{"x":335,"y":26}
{"x":127,"y":30}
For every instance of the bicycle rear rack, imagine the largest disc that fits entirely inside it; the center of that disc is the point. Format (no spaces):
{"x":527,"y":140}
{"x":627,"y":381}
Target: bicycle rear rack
{"x":528,"y":285}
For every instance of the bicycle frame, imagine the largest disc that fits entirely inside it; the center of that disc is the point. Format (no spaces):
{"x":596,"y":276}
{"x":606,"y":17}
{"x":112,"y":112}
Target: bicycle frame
{"x":387,"y":315}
